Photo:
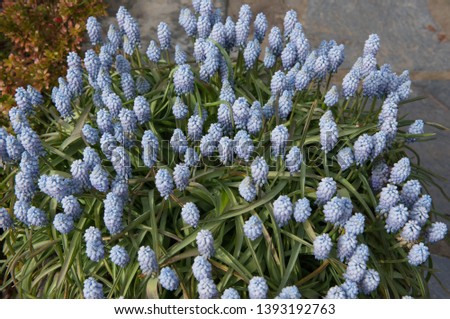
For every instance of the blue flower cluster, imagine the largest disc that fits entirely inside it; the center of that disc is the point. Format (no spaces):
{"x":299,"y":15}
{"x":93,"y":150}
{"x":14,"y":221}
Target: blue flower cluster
{"x":164,"y":183}
{"x":201,"y":268}
{"x":168,"y":279}
{"x":63,"y":223}
{"x":325,"y":190}
{"x":147,"y":260}
{"x":190,"y":214}
{"x":247,"y":189}
{"x":6,"y":221}
{"x":92,"y":289}
{"x":119,"y":256}
{"x":260,"y":171}
{"x":253,"y":228}
{"x":322,"y":246}
{"x":95,"y":248}
{"x":205,"y":243}
{"x":257,"y":288}
{"x":282,"y":210}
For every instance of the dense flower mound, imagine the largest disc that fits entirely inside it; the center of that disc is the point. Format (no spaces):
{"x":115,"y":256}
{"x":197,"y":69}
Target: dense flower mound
{"x":158,"y":170}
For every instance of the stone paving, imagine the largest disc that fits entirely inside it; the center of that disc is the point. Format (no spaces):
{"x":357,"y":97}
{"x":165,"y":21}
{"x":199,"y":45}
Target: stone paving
{"x":440,"y":290}
{"x":415,"y":35}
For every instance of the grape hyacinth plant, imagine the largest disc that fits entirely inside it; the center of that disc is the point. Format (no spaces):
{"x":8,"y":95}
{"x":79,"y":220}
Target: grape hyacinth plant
{"x":205,"y":172}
